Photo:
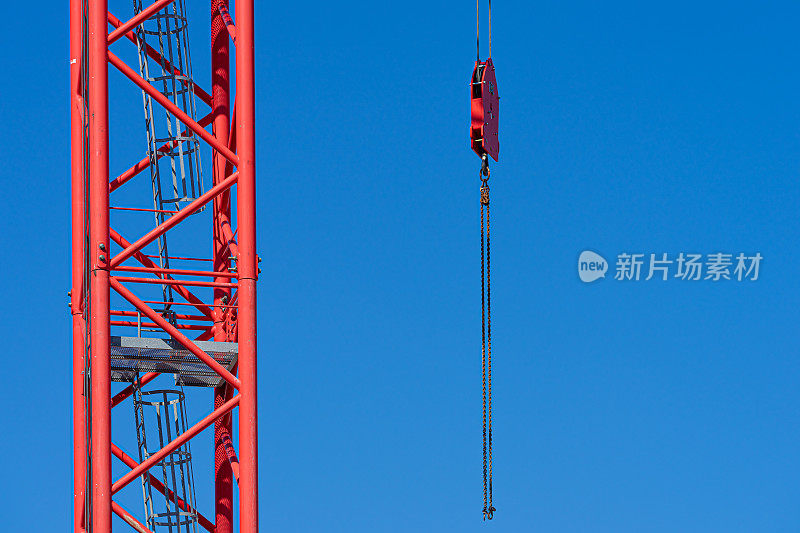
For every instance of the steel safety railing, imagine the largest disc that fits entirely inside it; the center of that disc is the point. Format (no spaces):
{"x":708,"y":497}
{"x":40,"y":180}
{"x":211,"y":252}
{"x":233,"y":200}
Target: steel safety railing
{"x":160,"y":418}
{"x":175,"y":171}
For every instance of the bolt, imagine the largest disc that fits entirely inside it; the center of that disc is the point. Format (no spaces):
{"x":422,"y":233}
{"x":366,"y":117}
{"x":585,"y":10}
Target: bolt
{"x":101,"y":258}
{"x":102,"y":246}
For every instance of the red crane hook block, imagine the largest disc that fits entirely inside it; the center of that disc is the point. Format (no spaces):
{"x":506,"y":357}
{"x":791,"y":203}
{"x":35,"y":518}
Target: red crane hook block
{"x":485,"y":109}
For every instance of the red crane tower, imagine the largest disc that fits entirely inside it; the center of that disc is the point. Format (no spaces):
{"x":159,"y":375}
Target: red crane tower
{"x":140,"y":312}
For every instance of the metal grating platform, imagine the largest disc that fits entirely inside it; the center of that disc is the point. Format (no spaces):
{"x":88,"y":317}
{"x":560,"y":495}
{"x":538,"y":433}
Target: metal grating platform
{"x":131,"y":356}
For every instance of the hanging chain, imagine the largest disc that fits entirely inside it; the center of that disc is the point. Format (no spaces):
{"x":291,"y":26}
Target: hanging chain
{"x":486,"y":340}
{"x":486,"y":302}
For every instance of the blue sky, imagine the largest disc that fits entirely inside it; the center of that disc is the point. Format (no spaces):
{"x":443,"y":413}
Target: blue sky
{"x":639,"y":406}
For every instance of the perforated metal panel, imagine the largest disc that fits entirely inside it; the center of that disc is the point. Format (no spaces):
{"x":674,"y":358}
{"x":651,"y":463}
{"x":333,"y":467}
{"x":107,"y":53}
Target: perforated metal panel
{"x":131,"y":356}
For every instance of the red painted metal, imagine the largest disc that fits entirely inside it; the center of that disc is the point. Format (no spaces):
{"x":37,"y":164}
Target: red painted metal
{"x":181,"y":290}
{"x":177,"y":316}
{"x":230,"y":452}
{"x":143,"y":210}
{"x":175,"y":219}
{"x":175,"y":444}
{"x":129,"y":518}
{"x":177,"y":335}
{"x":138,"y":19}
{"x":181,"y":282}
{"x":196,"y":128}
{"x":160,"y":302}
{"x":485,"y":110}
{"x":78,"y":253}
{"x":127,"y":392}
{"x":247,"y":266}
{"x":153,"y":53}
{"x":232,"y":308}
{"x":223,"y":484}
{"x":131,"y":324}
{"x":130,"y":462}
{"x":178,"y":258}
{"x":132,"y":172}
{"x":176,"y":271}
{"x":220,"y":110}
{"x":99,"y":244}
{"x":226,"y":18}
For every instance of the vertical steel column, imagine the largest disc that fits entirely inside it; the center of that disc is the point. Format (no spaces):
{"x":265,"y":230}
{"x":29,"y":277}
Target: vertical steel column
{"x":246,"y":263}
{"x":99,"y":256}
{"x":78,"y":238}
{"x":220,"y":96}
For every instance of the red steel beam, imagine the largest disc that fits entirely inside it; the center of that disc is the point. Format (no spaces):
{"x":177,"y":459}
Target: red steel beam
{"x":177,"y":316}
{"x":130,"y":462}
{"x":174,"y":445}
{"x":174,"y":220}
{"x":176,"y":271}
{"x":181,"y":303}
{"x":231,"y":248}
{"x":143,"y":210}
{"x":138,"y":19}
{"x":210,"y":333}
{"x":221,"y":213}
{"x":230,"y":451}
{"x":182,"y":282}
{"x":247,"y":267}
{"x":178,"y":258}
{"x":223,"y":470}
{"x":128,"y":391}
{"x":99,"y":246}
{"x":161,"y":151}
{"x":227,"y":134}
{"x":183,"y":291}
{"x":165,"y":226}
{"x":217,"y":331}
{"x":226,"y":18}
{"x":153,"y":53}
{"x":128,"y":518}
{"x":172,"y":108}
{"x":232,"y":139}
{"x":132,"y":324}
{"x":78,"y":253}
{"x":177,"y":335}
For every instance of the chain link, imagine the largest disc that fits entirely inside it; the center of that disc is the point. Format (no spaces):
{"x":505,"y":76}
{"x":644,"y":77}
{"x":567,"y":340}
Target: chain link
{"x":486,"y":343}
{"x":483,"y":348}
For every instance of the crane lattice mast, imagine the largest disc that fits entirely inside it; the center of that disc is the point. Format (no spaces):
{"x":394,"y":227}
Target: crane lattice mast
{"x":146,"y":314}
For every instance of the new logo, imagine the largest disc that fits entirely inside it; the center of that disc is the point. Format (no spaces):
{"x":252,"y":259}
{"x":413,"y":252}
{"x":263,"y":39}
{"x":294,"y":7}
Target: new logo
{"x":591,"y":266}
